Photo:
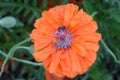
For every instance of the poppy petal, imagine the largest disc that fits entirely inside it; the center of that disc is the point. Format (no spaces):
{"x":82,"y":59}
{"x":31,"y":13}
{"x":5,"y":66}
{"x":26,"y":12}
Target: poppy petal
{"x":40,"y":46}
{"x":50,"y":20}
{"x":80,"y":19}
{"x":85,"y":64}
{"x":43,"y":54}
{"x":67,"y":68}
{"x":47,"y":61}
{"x":70,"y":11}
{"x":65,"y":63}
{"x":39,"y":37}
{"x":80,"y":50}
{"x":49,"y":76}
{"x":90,"y":46}
{"x":92,"y":37}
{"x":55,"y":61}
{"x":43,"y":27}
{"x":74,"y":61}
{"x":39,"y":41}
{"x":60,"y":11}
{"x":59,"y":71}
{"x":91,"y":57}
{"x":57,"y":17}
{"x":87,"y":28}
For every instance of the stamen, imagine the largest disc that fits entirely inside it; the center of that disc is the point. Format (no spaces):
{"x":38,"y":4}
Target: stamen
{"x":63,"y":38}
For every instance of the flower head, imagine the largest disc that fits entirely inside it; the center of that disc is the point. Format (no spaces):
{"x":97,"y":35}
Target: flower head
{"x":49,"y":76}
{"x":65,"y":40}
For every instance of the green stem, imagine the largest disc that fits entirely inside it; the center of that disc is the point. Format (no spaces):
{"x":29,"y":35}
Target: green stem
{"x":26,"y":40}
{"x":20,"y":60}
{"x":112,"y":54}
{"x":27,"y":62}
{"x":94,"y":13}
{"x":10,"y":53}
{"x":2,"y":53}
{"x":19,"y":47}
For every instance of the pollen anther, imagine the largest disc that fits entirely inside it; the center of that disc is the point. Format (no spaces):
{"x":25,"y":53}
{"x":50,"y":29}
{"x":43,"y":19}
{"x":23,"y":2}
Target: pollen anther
{"x":63,"y":38}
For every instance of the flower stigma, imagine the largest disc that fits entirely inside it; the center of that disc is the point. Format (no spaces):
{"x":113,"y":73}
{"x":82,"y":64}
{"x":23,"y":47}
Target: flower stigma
{"x":63,"y":38}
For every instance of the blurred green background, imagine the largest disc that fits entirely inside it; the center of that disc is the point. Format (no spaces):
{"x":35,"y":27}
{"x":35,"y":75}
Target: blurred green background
{"x":106,"y":13}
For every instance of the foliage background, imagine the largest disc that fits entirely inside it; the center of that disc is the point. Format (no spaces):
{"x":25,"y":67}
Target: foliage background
{"x":106,"y":13}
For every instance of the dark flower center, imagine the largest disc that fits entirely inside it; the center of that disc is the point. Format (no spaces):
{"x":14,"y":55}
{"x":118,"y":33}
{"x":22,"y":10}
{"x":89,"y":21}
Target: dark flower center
{"x":63,"y":38}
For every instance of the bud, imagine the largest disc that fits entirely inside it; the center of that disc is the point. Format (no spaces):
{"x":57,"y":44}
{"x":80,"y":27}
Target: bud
{"x":8,"y":22}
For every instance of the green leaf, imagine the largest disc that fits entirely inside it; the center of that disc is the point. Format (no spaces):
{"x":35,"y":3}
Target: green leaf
{"x":99,"y":73}
{"x":34,"y":3}
{"x":55,"y":2}
{"x":40,"y":74}
{"x":112,"y":2}
{"x":19,"y":10}
{"x":44,"y":5}
{"x":115,"y":14}
{"x":19,"y":23}
{"x":64,"y":1}
{"x":2,"y":12}
{"x":26,"y":12}
{"x":31,"y":18}
{"x":26,"y":2}
{"x":88,"y":7}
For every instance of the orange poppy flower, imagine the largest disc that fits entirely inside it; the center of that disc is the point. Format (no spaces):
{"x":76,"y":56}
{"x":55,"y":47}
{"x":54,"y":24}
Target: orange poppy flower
{"x":49,"y":76}
{"x":65,"y":40}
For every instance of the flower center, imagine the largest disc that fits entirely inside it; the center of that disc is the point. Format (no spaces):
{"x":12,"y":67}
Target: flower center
{"x":63,"y":38}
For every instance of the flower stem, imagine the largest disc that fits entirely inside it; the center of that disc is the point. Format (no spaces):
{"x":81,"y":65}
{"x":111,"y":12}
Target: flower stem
{"x":108,"y":49}
{"x":94,"y":13}
{"x":10,"y":53}
{"x":20,"y":60}
{"x":27,"y":62}
{"x":19,"y":47}
{"x":2,"y":53}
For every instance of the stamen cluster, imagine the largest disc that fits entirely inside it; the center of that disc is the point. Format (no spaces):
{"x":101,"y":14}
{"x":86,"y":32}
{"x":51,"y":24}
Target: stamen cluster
{"x":64,"y":38}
